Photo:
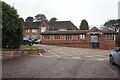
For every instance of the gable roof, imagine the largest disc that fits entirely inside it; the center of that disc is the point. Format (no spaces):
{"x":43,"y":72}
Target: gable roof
{"x":62,"y":25}
{"x":94,"y":29}
{"x":31,"y":24}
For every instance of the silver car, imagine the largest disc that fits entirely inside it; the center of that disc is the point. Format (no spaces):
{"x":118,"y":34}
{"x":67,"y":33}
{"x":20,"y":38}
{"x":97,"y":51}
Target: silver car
{"x":114,"y":56}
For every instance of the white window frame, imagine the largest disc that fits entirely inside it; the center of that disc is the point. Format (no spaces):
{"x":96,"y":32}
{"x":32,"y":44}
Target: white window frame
{"x":43,"y":29}
{"x":34,"y":30}
{"x":81,"y":36}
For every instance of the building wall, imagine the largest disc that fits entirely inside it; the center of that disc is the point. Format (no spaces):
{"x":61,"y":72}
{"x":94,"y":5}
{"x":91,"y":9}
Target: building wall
{"x":106,"y":44}
{"x":43,"y":24}
{"x":30,"y":33}
{"x":83,"y":43}
{"x":74,"y":42}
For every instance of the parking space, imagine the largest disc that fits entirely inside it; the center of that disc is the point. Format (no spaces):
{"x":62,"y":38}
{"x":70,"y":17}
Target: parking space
{"x":62,"y":62}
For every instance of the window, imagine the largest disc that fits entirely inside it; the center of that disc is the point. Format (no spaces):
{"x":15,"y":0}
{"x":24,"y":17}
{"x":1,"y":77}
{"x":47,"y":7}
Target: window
{"x":34,"y":37}
{"x":57,"y":37}
{"x":109,"y":36}
{"x":35,"y":30}
{"x":43,"y":29}
{"x":94,"y":38}
{"x":27,"y":30}
{"x":81,"y":36}
{"x":68,"y":37}
{"x":46,"y":36}
{"x":26,"y":37}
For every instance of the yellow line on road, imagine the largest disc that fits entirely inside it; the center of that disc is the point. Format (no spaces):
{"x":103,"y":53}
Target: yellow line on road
{"x":54,"y":54}
{"x":70,"y":58}
{"x":48,"y":56}
{"x":70,"y":55}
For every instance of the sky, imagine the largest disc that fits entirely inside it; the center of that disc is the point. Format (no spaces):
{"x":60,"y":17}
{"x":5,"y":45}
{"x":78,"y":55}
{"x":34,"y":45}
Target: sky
{"x":96,"y":12}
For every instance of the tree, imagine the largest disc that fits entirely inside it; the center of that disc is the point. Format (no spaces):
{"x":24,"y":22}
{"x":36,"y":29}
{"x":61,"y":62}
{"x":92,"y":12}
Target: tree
{"x":53,"y":19}
{"x":84,"y":25}
{"x":38,"y":18}
{"x":12,"y":28}
{"x":29,"y":19}
{"x":113,"y":24}
{"x":21,"y":20}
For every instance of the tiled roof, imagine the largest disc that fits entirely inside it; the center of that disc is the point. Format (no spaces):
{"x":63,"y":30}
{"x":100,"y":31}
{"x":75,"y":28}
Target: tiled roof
{"x":66,"y":32}
{"x":95,"y":29}
{"x":31,"y":24}
{"x":62,"y":25}
{"x":74,"y":32}
{"x":109,"y":31}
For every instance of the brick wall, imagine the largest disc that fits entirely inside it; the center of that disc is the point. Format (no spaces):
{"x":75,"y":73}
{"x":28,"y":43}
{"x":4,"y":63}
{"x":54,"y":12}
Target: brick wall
{"x":43,"y":24}
{"x":74,"y":42}
{"x":105,"y":44}
{"x":11,"y":53}
{"x":31,"y":33}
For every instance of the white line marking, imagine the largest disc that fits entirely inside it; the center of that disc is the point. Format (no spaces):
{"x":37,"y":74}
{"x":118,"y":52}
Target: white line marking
{"x":40,"y":54}
{"x":110,"y":69}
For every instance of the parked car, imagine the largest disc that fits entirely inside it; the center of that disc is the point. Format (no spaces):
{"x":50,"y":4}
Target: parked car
{"x":114,"y":56}
{"x":37,"y":41}
{"x":27,"y":42}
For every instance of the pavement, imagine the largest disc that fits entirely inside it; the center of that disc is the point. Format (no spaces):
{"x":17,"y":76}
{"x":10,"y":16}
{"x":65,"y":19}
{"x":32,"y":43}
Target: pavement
{"x":61,"y":62}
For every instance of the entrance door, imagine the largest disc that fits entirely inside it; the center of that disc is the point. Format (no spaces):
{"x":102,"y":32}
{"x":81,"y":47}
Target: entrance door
{"x":94,"y":41}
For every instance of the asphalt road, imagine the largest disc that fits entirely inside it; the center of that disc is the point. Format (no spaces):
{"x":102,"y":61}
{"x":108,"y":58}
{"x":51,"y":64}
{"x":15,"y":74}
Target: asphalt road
{"x":61,"y":62}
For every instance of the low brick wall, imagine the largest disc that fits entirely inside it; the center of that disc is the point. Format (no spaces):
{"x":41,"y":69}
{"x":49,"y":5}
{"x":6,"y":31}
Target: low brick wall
{"x":11,"y":53}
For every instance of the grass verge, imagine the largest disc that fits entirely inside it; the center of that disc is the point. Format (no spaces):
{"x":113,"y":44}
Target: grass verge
{"x":28,"y":47}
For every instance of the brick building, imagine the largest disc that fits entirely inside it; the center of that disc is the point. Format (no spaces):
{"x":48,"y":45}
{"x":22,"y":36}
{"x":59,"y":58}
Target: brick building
{"x":65,"y":33}
{"x":93,"y":38}
{"x":32,"y":30}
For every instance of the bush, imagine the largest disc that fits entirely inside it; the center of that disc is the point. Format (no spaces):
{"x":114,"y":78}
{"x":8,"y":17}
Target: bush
{"x":12,"y":27}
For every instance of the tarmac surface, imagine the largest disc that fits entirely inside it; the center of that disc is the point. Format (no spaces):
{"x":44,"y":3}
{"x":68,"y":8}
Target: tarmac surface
{"x":61,"y":62}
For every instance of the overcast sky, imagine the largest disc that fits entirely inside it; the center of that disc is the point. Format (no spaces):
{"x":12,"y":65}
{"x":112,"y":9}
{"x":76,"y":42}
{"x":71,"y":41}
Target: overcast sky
{"x":96,"y":12}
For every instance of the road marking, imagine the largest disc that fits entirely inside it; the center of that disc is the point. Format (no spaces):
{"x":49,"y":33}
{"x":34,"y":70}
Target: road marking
{"x":100,"y":59}
{"x":40,"y":54}
{"x":75,"y":57}
{"x":69,"y":58}
{"x":110,"y":69}
{"x":48,"y":56}
{"x":54,"y":54}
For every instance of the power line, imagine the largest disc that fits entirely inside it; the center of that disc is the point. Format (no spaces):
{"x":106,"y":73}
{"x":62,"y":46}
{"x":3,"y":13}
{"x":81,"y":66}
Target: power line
{"x":40,"y":3}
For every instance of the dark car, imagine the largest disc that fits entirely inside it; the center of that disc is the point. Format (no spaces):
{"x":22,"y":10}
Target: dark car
{"x":27,"y":42}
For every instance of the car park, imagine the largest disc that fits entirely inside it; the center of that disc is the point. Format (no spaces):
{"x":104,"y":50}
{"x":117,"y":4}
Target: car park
{"x":114,"y":56}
